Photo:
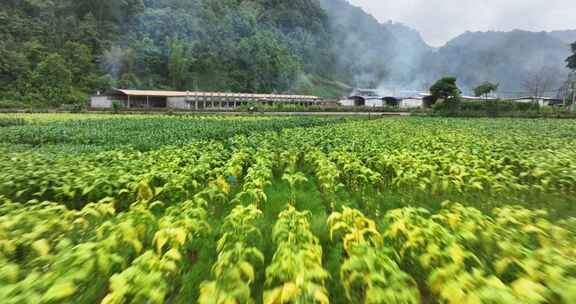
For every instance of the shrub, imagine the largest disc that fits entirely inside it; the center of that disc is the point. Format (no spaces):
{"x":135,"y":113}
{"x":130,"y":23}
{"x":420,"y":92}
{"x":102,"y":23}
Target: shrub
{"x":8,"y":122}
{"x":116,"y":106}
{"x":5,"y":104}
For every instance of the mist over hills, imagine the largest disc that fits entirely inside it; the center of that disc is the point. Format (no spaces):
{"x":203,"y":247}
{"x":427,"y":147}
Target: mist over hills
{"x":372,"y":52}
{"x":404,"y":61}
{"x":508,"y":58}
{"x":567,"y":36}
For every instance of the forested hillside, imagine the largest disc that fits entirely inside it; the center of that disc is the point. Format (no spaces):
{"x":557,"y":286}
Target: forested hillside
{"x":59,"y":51}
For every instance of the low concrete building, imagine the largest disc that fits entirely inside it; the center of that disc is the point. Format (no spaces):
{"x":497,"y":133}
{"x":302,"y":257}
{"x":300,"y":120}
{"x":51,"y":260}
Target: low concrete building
{"x":195,"y":100}
{"x":371,"y":98}
{"x":542,"y":101}
{"x":412,"y":102}
{"x":100,"y":101}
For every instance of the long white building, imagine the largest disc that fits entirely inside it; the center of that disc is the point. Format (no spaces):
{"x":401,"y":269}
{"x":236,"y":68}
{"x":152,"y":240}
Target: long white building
{"x":195,"y":100}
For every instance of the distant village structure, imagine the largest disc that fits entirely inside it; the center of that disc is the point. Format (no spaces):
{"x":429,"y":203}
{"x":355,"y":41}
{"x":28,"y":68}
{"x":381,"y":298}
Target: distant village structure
{"x":195,"y":100}
{"x":372,"y":99}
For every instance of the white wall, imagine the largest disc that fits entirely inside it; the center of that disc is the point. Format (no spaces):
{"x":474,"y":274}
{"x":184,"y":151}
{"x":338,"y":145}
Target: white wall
{"x":177,"y":103}
{"x":410,"y":103}
{"x":540,"y":101}
{"x":374,"y":103}
{"x":346,"y":102}
{"x":100,"y":102}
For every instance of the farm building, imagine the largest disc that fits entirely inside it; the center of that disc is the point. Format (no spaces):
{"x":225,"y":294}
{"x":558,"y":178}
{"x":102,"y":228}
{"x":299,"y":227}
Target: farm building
{"x":363,"y":98}
{"x":195,"y":100}
{"x":412,"y":102}
{"x":542,"y":101}
{"x":371,"y":98}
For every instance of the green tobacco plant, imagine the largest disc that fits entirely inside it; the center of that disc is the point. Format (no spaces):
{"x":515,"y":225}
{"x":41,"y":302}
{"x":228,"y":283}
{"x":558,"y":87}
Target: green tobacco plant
{"x":152,"y":275}
{"x":234,"y":272}
{"x":369,"y":273}
{"x":293,"y":180}
{"x":296,"y":274}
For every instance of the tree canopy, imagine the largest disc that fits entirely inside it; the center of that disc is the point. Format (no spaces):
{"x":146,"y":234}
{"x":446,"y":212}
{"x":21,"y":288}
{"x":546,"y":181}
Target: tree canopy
{"x":485,"y":89}
{"x":62,"y":51}
{"x":445,"y":89}
{"x":572,"y":59}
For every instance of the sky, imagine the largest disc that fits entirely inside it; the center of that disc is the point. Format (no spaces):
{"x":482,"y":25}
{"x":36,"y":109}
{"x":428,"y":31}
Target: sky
{"x":441,"y":20}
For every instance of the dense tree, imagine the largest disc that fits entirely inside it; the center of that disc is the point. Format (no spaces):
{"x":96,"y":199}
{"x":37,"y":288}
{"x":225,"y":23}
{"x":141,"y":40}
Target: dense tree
{"x":572,"y":59}
{"x":446,"y":89}
{"x":571,"y":83}
{"x":228,"y":45}
{"x":485,"y":89}
{"x":52,"y":79}
{"x":267,"y":63}
{"x":179,"y":64}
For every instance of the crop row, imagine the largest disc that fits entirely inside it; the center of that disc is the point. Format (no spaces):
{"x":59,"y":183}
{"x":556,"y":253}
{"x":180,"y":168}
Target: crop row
{"x":286,"y":218}
{"x":455,"y":255}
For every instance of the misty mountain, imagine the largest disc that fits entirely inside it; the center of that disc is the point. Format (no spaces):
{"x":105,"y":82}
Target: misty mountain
{"x":509,"y":58}
{"x":392,"y":56}
{"x":368,"y":52}
{"x":567,"y":36}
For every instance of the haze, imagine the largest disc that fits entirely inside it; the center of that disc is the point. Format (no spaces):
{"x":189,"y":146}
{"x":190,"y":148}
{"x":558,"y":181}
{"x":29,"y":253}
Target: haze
{"x":441,"y":20}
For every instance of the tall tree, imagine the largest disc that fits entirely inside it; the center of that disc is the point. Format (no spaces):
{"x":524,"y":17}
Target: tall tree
{"x":267,"y":62}
{"x":539,"y":83}
{"x":485,"y":89}
{"x":52,"y":80}
{"x":571,"y":83}
{"x":178,"y":64}
{"x":572,"y":59}
{"x":446,"y":89}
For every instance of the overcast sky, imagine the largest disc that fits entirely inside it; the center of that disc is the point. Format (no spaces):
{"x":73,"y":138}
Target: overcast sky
{"x":442,"y":20}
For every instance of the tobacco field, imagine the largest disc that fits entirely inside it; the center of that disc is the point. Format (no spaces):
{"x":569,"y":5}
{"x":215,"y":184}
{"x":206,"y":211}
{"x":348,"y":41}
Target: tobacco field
{"x":223,"y":210}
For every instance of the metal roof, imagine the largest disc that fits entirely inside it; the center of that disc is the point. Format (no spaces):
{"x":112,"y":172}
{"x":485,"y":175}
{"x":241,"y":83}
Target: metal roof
{"x":196,"y":93}
{"x":151,"y":93}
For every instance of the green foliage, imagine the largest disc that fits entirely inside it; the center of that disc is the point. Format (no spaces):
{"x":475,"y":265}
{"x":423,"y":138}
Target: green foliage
{"x":295,"y":274}
{"x":571,"y":61}
{"x":116,"y":106}
{"x":268,"y":65}
{"x":178,"y":65}
{"x":495,"y":108}
{"x":485,"y":89}
{"x":117,"y":132}
{"x":254,"y":46}
{"x":346,"y":213}
{"x":52,"y":79}
{"x":446,"y":90}
{"x":8,"y":122}
{"x":234,"y":271}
